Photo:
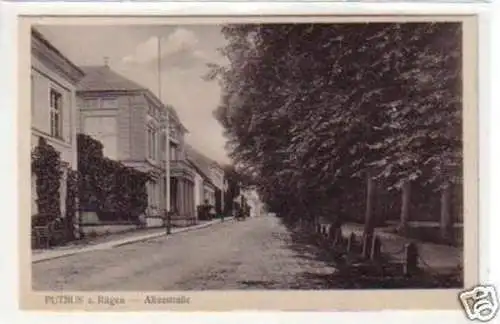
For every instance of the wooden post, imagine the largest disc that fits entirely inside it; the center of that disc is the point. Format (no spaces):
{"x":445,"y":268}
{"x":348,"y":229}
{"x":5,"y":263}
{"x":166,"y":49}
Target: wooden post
{"x":405,"y":207}
{"x":446,"y":221}
{"x":337,"y":241}
{"x":411,"y":259}
{"x":376,"y":247}
{"x":369,"y":220}
{"x":351,"y":242}
{"x":367,"y":246}
{"x":331,"y":233}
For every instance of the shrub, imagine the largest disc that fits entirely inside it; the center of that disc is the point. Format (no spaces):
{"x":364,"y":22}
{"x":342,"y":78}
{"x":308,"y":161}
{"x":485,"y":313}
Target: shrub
{"x":113,"y":190}
{"x":46,"y":165}
{"x":71,"y":202}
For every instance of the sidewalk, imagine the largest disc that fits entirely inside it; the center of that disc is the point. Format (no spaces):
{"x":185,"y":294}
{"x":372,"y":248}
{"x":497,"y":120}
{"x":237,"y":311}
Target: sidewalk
{"x":115,"y":241}
{"x":434,"y":257}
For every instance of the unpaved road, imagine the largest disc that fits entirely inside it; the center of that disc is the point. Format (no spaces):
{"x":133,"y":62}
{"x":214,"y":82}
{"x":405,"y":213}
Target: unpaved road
{"x":253,"y":254}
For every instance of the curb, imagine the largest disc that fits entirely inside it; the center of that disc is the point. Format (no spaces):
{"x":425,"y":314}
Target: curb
{"x":180,"y":230}
{"x":110,"y":245}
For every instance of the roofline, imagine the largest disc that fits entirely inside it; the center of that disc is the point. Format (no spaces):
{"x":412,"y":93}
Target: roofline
{"x":125,"y":92}
{"x":210,"y":161}
{"x":35,"y":33}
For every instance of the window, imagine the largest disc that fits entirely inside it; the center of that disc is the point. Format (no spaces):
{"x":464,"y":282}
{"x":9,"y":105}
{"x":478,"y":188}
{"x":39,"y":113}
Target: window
{"x":172,"y":132}
{"x":55,"y":113}
{"x":152,"y":148}
{"x":174,"y":152}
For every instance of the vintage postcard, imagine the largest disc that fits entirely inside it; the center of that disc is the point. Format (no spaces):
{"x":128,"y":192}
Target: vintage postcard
{"x":258,"y":163}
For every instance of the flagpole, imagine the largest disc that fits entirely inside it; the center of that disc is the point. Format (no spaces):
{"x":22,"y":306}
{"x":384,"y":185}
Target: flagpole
{"x":167,"y":131}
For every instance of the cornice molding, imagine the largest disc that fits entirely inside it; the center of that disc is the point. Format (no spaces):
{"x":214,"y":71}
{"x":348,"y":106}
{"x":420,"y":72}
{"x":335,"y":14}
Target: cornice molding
{"x":49,"y":55}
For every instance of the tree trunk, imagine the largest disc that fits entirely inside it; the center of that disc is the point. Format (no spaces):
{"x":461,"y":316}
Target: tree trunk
{"x":369,"y":224}
{"x":369,"y":220}
{"x":446,"y":221}
{"x":405,"y":207}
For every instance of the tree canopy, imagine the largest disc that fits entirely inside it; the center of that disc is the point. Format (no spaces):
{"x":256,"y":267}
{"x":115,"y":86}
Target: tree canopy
{"x":310,"y":108}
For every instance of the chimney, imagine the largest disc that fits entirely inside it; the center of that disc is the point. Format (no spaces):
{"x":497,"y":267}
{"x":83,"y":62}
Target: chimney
{"x":106,"y":61}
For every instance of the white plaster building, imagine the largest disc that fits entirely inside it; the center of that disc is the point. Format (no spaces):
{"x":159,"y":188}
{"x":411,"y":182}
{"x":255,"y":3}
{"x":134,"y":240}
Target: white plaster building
{"x":131,"y":123}
{"x":54,"y":112}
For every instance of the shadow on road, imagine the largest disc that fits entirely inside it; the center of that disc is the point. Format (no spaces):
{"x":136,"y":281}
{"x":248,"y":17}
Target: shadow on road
{"x":341,"y":276}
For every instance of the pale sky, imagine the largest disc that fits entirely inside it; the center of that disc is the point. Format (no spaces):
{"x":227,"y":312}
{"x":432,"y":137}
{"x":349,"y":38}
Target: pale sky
{"x":132,"y":51}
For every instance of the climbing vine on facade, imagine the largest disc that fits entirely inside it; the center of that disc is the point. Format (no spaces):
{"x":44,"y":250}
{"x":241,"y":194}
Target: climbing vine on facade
{"x":46,"y":166}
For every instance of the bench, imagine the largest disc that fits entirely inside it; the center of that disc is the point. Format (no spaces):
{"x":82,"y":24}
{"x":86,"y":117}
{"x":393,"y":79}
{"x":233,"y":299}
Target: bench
{"x":43,"y":236}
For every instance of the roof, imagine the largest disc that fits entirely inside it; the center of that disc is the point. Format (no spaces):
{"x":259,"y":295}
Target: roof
{"x":103,"y":78}
{"x":198,"y":159}
{"x":202,"y":158}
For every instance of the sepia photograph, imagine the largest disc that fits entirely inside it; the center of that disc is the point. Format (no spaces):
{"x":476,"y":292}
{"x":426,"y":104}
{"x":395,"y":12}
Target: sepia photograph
{"x":250,"y":156}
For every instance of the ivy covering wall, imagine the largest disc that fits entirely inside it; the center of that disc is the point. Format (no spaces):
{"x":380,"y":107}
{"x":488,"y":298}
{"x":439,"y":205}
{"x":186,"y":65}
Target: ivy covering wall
{"x":46,"y":166}
{"x":111,"y":189}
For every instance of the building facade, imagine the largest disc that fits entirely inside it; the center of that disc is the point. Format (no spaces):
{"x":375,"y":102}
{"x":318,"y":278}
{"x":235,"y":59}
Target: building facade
{"x":182,"y":174}
{"x":54,"y":113}
{"x":134,"y":127}
{"x":217,"y":177}
{"x":204,"y":188}
{"x":213,"y":176}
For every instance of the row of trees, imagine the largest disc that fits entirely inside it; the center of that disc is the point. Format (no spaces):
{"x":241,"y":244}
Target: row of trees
{"x":314,"y":112}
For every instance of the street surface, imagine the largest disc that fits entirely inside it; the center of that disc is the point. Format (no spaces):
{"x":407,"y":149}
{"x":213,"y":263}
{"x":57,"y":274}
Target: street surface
{"x":253,"y":254}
